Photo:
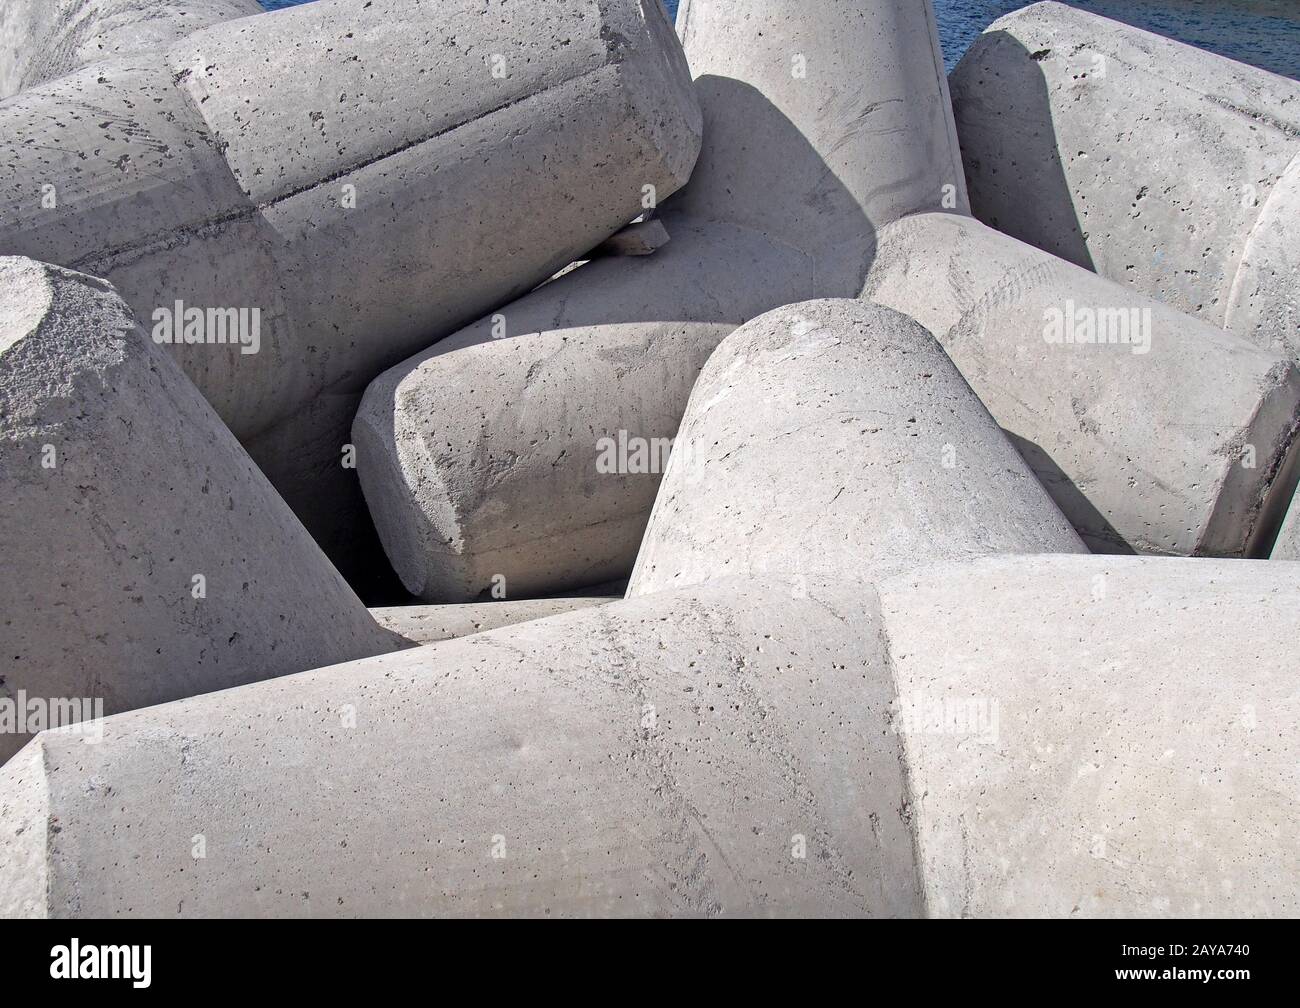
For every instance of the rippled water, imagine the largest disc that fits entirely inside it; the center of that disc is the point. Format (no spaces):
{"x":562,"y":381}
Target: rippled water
{"x":1263,"y":32}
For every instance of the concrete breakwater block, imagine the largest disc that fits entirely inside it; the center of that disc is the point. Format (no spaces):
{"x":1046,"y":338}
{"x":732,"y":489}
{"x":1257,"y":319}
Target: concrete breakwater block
{"x":333,"y":220}
{"x":41,"y":40}
{"x":824,"y":120}
{"x":432,"y":624}
{"x":1101,"y":736}
{"x":1154,"y":432}
{"x":663,"y":756}
{"x":1152,"y":162}
{"x":940,"y":746}
{"x":145,"y":556}
{"x":835,"y":439}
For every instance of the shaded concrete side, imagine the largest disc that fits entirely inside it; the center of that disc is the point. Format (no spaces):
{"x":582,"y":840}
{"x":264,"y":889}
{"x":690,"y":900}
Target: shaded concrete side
{"x":146,"y":557}
{"x":1136,"y":156}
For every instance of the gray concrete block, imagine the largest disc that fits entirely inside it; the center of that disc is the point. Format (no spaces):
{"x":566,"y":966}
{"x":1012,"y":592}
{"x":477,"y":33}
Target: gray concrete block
{"x":1174,"y":437}
{"x":1154,"y":163}
{"x":146,"y":558}
{"x":316,"y":163}
{"x":836,"y":440}
{"x":432,"y":624}
{"x":655,"y":757}
{"x":823,"y":121}
{"x":41,"y":40}
{"x":1101,"y":736}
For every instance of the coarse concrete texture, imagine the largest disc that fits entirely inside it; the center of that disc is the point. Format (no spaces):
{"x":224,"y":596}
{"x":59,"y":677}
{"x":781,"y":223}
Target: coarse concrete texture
{"x":941,"y":747}
{"x":315,"y":165}
{"x":712,"y":752}
{"x":431,"y":624}
{"x":824,"y":120}
{"x":835,"y":440}
{"x":1101,"y":736}
{"x":1167,"y":435}
{"x":41,"y":40}
{"x":1152,"y":162}
{"x":146,"y":558}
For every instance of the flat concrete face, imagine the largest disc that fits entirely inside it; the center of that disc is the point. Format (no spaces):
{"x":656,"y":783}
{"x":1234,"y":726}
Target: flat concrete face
{"x":1149,"y":161}
{"x":572,"y":394}
{"x":827,"y":120}
{"x":1101,"y":736}
{"x":432,"y":624}
{"x":41,"y":40}
{"x":835,"y":439}
{"x":1171,"y":438}
{"x":146,"y":558}
{"x":327,"y":212}
{"x":655,"y":757}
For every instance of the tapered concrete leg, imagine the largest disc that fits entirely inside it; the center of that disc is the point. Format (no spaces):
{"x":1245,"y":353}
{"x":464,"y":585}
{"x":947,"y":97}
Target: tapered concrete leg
{"x":662,"y":756}
{"x":490,"y":460}
{"x":432,"y":624}
{"x":1101,"y":736}
{"x":1150,"y":161}
{"x":1154,"y":432}
{"x":44,"y":39}
{"x":145,"y":556}
{"x":333,"y":219}
{"x":824,"y":120}
{"x":1287,"y":545}
{"x":835,"y":439}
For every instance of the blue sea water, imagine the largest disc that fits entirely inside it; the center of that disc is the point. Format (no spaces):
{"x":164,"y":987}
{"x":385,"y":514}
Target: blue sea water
{"x":1265,"y":33}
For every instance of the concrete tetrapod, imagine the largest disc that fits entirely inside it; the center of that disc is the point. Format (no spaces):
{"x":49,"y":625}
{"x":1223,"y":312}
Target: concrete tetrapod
{"x":1152,"y":162}
{"x":836,"y":440}
{"x":824,"y":120}
{"x":702,"y":753}
{"x":1154,"y":432}
{"x":334,"y":219}
{"x":943,"y":748}
{"x":41,"y":40}
{"x":145,"y":557}
{"x":1101,"y":736}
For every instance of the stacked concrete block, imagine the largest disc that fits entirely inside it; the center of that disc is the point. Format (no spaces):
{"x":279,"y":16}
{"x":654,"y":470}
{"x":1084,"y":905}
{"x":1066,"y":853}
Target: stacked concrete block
{"x":662,"y":756}
{"x":1153,"y":431}
{"x":41,"y":40}
{"x":145,"y":557}
{"x":1156,"y":164}
{"x":941,"y":747}
{"x":824,"y":120}
{"x":836,"y":440}
{"x":318,"y":166}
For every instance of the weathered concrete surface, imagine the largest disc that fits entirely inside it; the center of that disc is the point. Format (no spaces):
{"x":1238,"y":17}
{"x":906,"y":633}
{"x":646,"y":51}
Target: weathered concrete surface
{"x":120,"y":488}
{"x":41,"y":40}
{"x":1173,"y":441}
{"x":480,"y":459}
{"x":1150,"y":161}
{"x":664,"y":756}
{"x":835,"y":439}
{"x":337,"y":209}
{"x":1118,"y":735}
{"x":431,"y":624}
{"x":824,"y":120}
{"x":944,"y":748}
